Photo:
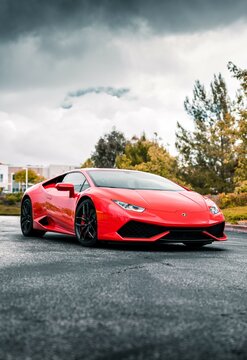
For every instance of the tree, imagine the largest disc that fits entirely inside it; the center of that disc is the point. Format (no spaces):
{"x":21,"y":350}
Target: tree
{"x":135,"y":153}
{"x":148,"y":155}
{"x":241,"y":115}
{"x":107,"y":149}
{"x":33,"y":177}
{"x":207,"y":154}
{"x":240,"y":74}
{"x":87,"y":163}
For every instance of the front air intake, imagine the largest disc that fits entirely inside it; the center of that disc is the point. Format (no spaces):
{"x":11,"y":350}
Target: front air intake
{"x":136,"y":229}
{"x":216,"y":230}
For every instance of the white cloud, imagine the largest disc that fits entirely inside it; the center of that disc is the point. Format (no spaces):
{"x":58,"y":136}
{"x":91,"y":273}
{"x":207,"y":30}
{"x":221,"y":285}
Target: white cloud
{"x":68,"y":136}
{"x":159,"y":70}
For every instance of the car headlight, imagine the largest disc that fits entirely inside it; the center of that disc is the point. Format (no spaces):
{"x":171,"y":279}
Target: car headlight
{"x":127,"y":206}
{"x":214,"y":209}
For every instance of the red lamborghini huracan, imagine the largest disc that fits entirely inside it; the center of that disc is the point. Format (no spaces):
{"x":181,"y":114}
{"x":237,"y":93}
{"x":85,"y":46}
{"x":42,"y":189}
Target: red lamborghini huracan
{"x":120,"y":205}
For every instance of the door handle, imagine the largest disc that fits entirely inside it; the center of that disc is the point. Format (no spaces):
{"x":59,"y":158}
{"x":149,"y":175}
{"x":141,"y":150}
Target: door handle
{"x":49,"y":197}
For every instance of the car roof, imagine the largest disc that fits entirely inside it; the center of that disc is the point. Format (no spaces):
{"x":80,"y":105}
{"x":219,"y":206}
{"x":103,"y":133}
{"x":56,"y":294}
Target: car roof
{"x":107,"y":169}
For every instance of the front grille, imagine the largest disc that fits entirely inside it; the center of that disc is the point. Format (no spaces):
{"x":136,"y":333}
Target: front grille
{"x":136,"y":229}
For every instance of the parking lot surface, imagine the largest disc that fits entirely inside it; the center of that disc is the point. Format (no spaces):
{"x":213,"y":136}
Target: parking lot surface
{"x":59,"y":300}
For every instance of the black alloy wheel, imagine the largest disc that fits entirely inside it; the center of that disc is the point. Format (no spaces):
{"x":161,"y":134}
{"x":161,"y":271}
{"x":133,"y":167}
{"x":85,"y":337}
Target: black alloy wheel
{"x":27,"y":220}
{"x":86,"y":223}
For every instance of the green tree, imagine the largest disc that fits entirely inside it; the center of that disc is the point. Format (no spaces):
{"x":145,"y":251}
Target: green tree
{"x":241,"y":115}
{"x":135,"y":152}
{"x":107,"y":149}
{"x":33,"y":177}
{"x":88,"y":164}
{"x":148,"y":155}
{"x":207,"y":154}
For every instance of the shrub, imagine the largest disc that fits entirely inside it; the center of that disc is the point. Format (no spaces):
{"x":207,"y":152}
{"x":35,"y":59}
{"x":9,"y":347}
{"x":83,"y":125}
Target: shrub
{"x":230,"y":200}
{"x":12,"y":199}
{"x":241,"y":188}
{"x":234,"y":215}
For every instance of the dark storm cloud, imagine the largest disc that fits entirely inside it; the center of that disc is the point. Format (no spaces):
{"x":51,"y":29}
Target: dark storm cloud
{"x":118,"y":92}
{"x":109,"y":90}
{"x":33,"y":16}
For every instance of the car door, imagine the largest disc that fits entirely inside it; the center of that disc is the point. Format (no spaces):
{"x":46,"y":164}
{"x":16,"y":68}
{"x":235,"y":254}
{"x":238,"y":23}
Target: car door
{"x":66,"y":204}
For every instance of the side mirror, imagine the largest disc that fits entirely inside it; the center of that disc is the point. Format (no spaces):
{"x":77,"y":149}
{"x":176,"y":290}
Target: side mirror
{"x":66,"y":187}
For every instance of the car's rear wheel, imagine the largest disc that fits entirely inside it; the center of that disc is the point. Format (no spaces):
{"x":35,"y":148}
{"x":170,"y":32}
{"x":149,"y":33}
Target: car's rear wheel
{"x":86,"y":223}
{"x":27,"y":220}
{"x":196,"y":245}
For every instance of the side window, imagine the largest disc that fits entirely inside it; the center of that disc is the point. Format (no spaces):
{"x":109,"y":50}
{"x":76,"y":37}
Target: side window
{"x":85,"y":185}
{"x":75,"y":178}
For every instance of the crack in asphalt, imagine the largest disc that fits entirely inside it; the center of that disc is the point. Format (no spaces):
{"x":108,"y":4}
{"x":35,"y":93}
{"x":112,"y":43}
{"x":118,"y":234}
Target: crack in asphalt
{"x":136,"y":267}
{"x":127,"y":269}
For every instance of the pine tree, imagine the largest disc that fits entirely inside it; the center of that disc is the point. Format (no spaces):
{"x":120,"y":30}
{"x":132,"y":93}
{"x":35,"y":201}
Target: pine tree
{"x":207,"y":155}
{"x":241,"y":115}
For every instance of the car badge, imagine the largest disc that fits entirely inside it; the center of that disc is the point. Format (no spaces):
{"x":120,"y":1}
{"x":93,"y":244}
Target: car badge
{"x":184,"y":214}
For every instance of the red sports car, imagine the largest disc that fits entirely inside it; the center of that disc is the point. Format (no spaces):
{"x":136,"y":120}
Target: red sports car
{"x":120,"y":205}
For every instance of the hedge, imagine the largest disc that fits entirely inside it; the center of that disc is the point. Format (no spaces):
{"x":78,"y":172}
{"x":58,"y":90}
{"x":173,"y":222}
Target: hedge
{"x":230,"y":200}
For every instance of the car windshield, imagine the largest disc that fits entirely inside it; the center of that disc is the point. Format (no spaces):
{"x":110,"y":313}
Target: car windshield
{"x":135,"y":180}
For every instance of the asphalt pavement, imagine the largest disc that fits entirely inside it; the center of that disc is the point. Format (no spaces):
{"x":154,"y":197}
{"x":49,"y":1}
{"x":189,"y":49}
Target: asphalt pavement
{"x":59,"y":300}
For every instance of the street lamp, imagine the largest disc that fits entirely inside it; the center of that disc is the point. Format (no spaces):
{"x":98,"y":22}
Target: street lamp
{"x":26,"y":180}
{"x":11,"y":182}
{"x":26,"y":177}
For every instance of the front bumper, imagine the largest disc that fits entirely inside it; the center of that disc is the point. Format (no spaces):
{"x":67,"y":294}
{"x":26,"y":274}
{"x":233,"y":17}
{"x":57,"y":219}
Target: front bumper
{"x":152,"y":232}
{"x":117,"y":224}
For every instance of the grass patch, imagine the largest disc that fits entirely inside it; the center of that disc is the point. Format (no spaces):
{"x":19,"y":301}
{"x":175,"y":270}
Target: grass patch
{"x":10,"y":209}
{"x":235,"y":214}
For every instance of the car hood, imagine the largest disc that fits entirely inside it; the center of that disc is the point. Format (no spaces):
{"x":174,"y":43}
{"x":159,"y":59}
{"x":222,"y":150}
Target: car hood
{"x":159,"y":200}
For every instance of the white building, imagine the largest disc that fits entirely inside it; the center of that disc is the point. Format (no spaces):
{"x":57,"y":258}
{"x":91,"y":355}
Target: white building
{"x":7,"y":172}
{"x":4,"y":177}
{"x":53,"y":170}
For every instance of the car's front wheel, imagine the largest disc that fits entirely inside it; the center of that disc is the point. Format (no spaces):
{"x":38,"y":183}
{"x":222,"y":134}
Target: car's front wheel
{"x":86,"y":223}
{"x":27,"y":220}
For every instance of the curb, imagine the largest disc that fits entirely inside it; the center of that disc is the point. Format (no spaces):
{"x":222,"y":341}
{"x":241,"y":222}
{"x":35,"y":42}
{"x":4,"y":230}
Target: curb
{"x":238,"y":228}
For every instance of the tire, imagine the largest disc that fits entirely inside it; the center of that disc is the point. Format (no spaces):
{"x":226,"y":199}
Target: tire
{"x":86,"y":223}
{"x":27,"y":220}
{"x":196,"y":245}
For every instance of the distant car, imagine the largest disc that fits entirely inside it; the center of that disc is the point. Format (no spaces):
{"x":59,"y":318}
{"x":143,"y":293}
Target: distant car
{"x":120,"y":205}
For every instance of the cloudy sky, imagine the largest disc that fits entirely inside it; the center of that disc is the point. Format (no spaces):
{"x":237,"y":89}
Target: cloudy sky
{"x":70,"y":70}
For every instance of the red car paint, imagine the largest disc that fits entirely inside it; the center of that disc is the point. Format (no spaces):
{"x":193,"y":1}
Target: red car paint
{"x":54,"y":210}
